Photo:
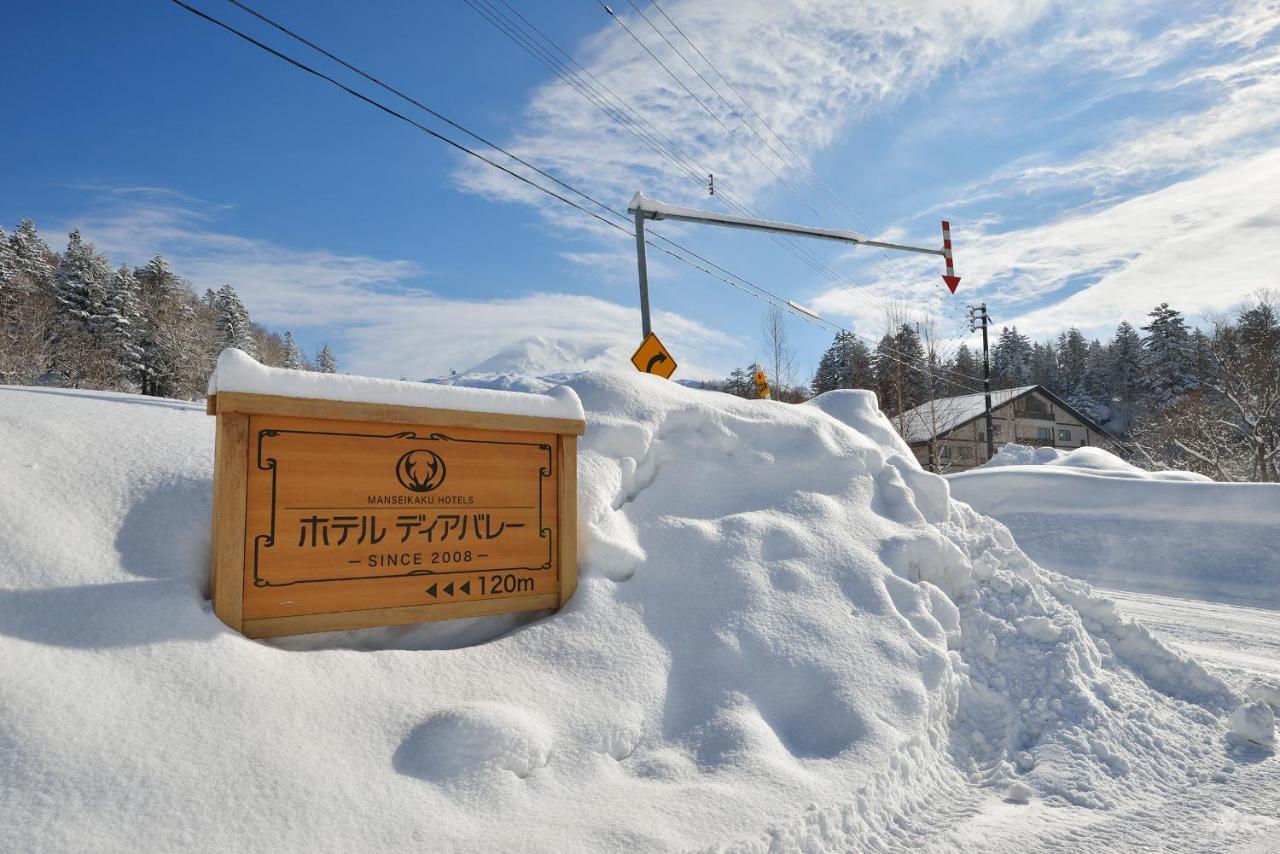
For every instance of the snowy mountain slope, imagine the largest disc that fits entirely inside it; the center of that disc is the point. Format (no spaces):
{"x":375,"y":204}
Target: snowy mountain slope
{"x":1091,"y":515}
{"x":537,"y":363}
{"x":786,"y":637}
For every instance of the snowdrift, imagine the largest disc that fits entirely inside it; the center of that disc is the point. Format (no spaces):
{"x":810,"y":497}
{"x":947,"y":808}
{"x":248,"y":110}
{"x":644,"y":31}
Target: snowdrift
{"x":1091,"y":515}
{"x":786,"y":636}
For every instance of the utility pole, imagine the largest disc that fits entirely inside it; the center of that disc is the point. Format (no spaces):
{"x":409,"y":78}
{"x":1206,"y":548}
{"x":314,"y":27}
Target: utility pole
{"x":644,"y":276}
{"x":643,"y":208}
{"x":978,"y":315}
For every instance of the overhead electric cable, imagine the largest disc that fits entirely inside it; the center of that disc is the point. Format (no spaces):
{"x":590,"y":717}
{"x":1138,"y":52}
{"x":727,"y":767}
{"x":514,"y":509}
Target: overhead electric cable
{"x":763,"y":293}
{"x":830,"y":192}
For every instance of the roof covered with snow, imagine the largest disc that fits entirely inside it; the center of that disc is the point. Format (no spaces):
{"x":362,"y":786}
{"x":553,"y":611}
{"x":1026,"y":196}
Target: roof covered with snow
{"x":945,"y":414}
{"x":237,"y":372}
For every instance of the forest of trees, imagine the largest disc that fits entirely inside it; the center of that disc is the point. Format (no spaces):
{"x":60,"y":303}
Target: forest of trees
{"x":1172,"y":395}
{"x":73,"y":319}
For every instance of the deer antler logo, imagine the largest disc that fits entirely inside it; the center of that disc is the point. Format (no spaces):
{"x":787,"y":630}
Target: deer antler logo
{"x":420,"y":470}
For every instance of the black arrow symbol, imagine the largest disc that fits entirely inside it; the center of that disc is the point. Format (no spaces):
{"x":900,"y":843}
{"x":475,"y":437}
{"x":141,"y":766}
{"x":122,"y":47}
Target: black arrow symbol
{"x":432,"y":591}
{"x":465,"y":588}
{"x":661,"y":357}
{"x":448,"y":588}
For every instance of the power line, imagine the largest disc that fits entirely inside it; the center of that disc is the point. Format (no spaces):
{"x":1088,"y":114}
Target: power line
{"x":829,"y":271}
{"x":832,"y":194}
{"x":762,"y":294}
{"x":708,"y":110}
{"x":684,"y":162}
{"x":773,"y":297}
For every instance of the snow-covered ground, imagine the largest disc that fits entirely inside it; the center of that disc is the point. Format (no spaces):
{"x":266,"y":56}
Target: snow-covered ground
{"x":1240,"y":644}
{"x":1090,"y":515}
{"x":786,"y":637}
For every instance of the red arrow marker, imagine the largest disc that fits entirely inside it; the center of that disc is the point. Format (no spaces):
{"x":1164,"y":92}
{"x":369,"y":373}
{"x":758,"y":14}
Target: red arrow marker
{"x":952,"y":280}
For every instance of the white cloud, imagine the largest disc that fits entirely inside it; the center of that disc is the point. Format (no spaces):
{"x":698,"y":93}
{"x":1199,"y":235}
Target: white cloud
{"x":1170,"y":202}
{"x":1202,"y":245}
{"x":807,"y":68}
{"x":375,"y":311}
{"x":1243,"y":118}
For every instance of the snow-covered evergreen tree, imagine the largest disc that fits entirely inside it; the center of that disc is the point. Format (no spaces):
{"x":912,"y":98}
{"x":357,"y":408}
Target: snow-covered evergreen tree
{"x":326,"y":363}
{"x":1200,"y":358}
{"x":1044,"y":366}
{"x":827,"y":376}
{"x":8,"y":263}
{"x":120,"y":328}
{"x":1126,"y":362}
{"x":966,"y":372}
{"x":158,"y":372}
{"x":178,"y":335}
{"x":31,"y":258}
{"x":845,"y":364}
{"x":899,"y":366}
{"x":857,"y":363}
{"x":292,"y":356}
{"x":735,"y":383}
{"x":1167,"y":370}
{"x":8,"y":279}
{"x":1073,"y":351}
{"x":233,"y":324}
{"x":83,"y":276}
{"x":1011,"y":359}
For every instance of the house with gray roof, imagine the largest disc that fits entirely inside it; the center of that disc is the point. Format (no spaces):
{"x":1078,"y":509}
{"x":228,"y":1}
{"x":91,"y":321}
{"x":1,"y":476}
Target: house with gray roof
{"x":950,"y":434}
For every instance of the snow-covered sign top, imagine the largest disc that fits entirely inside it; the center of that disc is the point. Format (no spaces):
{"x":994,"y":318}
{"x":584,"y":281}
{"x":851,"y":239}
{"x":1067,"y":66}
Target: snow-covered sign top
{"x":236,"y":371}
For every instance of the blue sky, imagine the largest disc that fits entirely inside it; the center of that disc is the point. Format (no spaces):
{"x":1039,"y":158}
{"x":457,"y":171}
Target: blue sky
{"x":1094,"y":159}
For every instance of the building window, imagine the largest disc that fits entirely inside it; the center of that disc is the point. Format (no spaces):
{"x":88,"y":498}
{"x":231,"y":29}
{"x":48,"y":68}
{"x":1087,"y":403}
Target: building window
{"x":1064,"y":435}
{"x":995,"y":429}
{"x":1044,"y":434}
{"x":964,"y":452}
{"x":1034,"y":404}
{"x":944,"y":452}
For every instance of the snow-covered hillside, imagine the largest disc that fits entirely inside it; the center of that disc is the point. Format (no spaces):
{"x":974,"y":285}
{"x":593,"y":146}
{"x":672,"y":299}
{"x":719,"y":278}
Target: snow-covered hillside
{"x":1091,"y":515}
{"x":537,"y":363}
{"x":786,"y":637}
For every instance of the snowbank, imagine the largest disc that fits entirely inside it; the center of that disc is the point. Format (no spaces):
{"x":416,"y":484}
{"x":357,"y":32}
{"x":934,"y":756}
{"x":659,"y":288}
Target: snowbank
{"x":1089,"y":460}
{"x":1091,"y":515}
{"x":238,"y":372}
{"x":786,"y":636}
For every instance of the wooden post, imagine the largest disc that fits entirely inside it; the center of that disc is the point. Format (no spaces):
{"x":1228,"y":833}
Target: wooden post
{"x":568,"y":513}
{"x":230,"y":462}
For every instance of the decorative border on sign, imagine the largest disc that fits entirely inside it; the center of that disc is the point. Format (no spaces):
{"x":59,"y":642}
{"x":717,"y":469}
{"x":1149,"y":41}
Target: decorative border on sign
{"x":270,"y":464}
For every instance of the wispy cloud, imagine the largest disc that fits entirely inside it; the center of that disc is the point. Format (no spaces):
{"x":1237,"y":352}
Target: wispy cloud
{"x":1202,"y":245}
{"x":1169,"y":200}
{"x":807,"y":68}
{"x":379,"y":312}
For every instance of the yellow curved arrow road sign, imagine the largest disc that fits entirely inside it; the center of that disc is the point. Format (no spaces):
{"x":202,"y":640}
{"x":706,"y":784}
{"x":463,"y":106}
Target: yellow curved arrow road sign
{"x":653,"y":358}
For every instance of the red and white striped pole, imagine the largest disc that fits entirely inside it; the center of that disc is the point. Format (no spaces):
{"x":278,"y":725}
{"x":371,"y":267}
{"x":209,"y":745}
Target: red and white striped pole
{"x":952,"y":280}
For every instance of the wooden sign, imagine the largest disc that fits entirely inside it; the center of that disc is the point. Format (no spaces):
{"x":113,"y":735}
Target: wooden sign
{"x":331,"y":515}
{"x":652,"y":358}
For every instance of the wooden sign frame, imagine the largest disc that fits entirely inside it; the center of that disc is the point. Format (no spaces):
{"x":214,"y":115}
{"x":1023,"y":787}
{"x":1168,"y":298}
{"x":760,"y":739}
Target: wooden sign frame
{"x":245,"y":421}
